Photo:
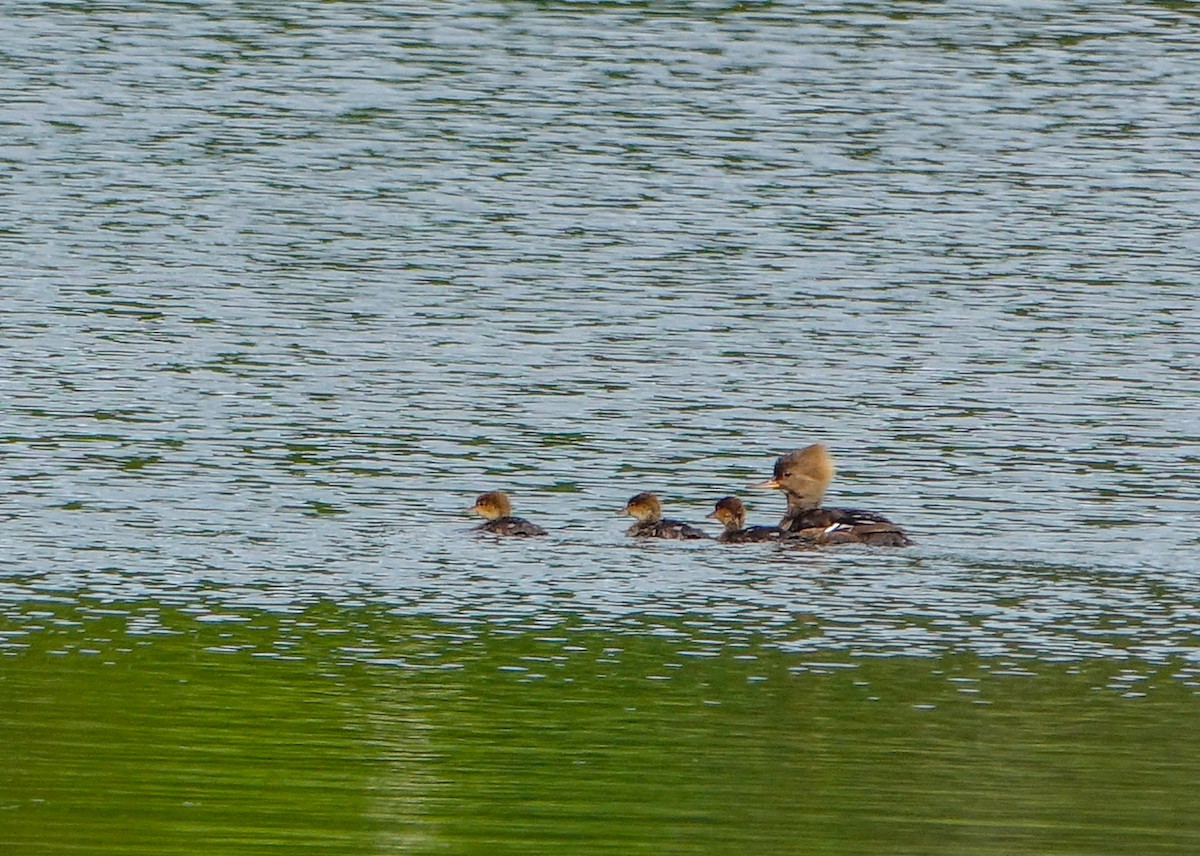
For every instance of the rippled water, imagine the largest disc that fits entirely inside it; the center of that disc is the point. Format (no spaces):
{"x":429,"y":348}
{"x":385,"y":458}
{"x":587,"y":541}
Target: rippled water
{"x":285,"y":287}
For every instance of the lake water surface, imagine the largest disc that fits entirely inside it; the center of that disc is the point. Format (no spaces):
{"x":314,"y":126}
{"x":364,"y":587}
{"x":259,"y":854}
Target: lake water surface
{"x":285,"y":287}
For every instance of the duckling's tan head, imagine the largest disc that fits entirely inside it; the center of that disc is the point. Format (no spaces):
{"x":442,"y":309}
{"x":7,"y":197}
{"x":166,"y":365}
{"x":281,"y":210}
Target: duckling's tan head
{"x":804,"y":474}
{"x":645,"y":507}
{"x":491,"y":505}
{"x":730,"y":512}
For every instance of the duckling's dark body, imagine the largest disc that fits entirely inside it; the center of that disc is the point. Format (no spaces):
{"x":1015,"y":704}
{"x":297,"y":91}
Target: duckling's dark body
{"x":495,"y":507}
{"x":751,"y":534}
{"x":675,"y":530}
{"x":731,"y":513}
{"x":515,"y":526}
{"x":647,"y":511}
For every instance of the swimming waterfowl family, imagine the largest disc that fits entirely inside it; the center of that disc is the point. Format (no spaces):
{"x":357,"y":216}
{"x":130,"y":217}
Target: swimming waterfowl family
{"x":803,"y":475}
{"x":496,"y":510}
{"x":647,"y":511}
{"x":732,"y":514}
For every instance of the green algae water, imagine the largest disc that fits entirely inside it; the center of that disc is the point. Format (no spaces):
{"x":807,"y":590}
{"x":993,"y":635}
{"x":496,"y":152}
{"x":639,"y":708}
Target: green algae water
{"x":357,"y":730}
{"x":283,"y":288}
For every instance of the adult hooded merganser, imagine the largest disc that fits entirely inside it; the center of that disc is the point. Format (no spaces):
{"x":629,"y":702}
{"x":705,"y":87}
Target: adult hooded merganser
{"x":803,"y":476}
{"x":732,"y":514}
{"x":650,"y":523}
{"x":495,"y":508}
{"x":873,"y":534}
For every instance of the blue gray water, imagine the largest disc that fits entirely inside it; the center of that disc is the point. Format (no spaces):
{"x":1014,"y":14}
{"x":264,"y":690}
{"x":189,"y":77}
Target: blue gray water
{"x":284,"y":287}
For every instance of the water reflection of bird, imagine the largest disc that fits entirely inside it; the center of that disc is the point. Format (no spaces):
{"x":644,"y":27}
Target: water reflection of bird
{"x":647,"y":511}
{"x":496,"y":510}
{"x":732,"y":514}
{"x":803,"y":475}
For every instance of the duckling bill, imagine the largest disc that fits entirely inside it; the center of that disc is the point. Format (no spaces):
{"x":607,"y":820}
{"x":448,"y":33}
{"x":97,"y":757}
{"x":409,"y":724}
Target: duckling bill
{"x":804,"y":475}
{"x":647,"y":512}
{"x":496,"y":510}
{"x":731,"y":513}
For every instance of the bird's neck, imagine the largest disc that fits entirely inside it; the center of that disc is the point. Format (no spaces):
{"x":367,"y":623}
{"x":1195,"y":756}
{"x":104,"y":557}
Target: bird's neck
{"x":800,"y":504}
{"x":797,"y":507}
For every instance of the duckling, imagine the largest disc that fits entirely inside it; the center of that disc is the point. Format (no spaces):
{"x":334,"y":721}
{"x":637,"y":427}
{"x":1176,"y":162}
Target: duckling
{"x":495,"y":508}
{"x":803,"y":475}
{"x":646,"y":508}
{"x":732,"y":514}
